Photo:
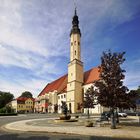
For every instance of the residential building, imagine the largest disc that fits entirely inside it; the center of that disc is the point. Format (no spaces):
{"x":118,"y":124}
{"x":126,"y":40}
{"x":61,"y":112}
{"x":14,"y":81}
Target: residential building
{"x":23,"y":105}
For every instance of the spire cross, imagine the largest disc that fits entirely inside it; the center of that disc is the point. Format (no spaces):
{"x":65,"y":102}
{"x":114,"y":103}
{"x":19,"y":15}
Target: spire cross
{"x":75,"y":7}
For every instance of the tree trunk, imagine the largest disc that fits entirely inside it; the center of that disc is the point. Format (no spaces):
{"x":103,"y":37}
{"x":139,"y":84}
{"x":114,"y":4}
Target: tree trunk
{"x":113,"y":119}
{"x":88,"y":113}
{"x":117,"y":117}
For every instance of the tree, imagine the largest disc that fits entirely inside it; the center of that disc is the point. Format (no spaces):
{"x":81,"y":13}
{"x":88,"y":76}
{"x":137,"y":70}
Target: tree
{"x":89,"y":99}
{"x":55,"y":108}
{"x":111,"y":92}
{"x":5,"y":97}
{"x":138,"y":90}
{"x":64,"y":108}
{"x":134,"y":98}
{"x":27,"y":94}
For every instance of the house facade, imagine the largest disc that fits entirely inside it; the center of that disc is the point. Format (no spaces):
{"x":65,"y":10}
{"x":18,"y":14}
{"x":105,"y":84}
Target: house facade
{"x":72,"y":86}
{"x":23,"y":105}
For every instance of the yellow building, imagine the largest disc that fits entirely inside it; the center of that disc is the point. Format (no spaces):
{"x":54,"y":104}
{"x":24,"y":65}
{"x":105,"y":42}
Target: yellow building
{"x":72,"y":86}
{"x":23,"y":105}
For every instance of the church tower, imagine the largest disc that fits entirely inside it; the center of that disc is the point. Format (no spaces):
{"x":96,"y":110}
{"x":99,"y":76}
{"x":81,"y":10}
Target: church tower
{"x":75,"y":68}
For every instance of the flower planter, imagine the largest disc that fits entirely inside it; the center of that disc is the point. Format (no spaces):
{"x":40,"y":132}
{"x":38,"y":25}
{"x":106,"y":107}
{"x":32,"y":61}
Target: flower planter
{"x":89,"y":124}
{"x":64,"y":117}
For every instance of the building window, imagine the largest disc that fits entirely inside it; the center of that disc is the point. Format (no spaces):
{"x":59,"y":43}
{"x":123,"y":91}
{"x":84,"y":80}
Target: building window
{"x":64,"y":96}
{"x":61,"y":96}
{"x":75,"y":52}
{"x":74,"y":42}
{"x":58,"y":97}
{"x":79,"y":43}
{"x":71,"y":43}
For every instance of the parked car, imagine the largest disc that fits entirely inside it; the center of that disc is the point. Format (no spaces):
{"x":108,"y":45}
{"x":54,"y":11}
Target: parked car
{"x":106,"y":113}
{"x":122,"y":114}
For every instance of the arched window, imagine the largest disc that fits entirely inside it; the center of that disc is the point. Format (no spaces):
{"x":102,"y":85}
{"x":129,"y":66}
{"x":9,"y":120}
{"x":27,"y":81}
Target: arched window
{"x":75,"y":52}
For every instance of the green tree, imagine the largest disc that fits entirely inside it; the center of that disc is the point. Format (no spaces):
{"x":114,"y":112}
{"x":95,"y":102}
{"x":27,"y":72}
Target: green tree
{"x":138,"y":90}
{"x":5,"y":97}
{"x":133,"y":98}
{"x":89,"y":99}
{"x":111,"y":92}
{"x":27,"y":94}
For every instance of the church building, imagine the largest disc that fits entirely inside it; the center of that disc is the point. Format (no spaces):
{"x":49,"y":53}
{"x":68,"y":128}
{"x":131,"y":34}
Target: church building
{"x":72,"y":86}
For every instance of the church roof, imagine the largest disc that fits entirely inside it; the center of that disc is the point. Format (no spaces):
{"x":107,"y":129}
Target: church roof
{"x":60,"y":84}
{"x":91,"y":75}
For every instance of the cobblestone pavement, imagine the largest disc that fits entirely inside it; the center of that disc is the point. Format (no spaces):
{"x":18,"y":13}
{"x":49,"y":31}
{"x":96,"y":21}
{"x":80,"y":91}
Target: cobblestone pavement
{"x":128,"y":128}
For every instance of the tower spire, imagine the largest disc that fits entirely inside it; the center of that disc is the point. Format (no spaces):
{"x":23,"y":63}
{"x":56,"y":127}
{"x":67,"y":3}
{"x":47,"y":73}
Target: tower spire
{"x":75,"y":11}
{"x":75,"y":24}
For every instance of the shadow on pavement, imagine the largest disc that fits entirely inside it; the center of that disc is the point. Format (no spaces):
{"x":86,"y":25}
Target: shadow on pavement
{"x":56,"y":137}
{"x":17,"y":137}
{"x":109,"y":138}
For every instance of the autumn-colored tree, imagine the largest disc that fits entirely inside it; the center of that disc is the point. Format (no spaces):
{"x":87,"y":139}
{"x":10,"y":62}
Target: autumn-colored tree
{"x":111,"y":91}
{"x":89,"y":99}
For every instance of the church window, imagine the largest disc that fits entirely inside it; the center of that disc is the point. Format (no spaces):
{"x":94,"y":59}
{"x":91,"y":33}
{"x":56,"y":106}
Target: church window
{"x":75,"y":52}
{"x":71,"y":43}
{"x":79,"y":43}
{"x":74,"y":42}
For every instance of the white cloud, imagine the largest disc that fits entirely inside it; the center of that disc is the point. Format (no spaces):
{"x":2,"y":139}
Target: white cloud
{"x":132,"y":80}
{"x":34,"y":86}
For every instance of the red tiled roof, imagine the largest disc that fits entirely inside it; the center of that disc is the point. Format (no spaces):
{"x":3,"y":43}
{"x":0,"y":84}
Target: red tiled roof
{"x":91,"y":75}
{"x":60,"y":84}
{"x":24,"y":99}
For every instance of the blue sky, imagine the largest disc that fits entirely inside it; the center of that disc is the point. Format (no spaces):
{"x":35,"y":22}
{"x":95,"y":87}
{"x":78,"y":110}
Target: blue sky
{"x":34,"y":39}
